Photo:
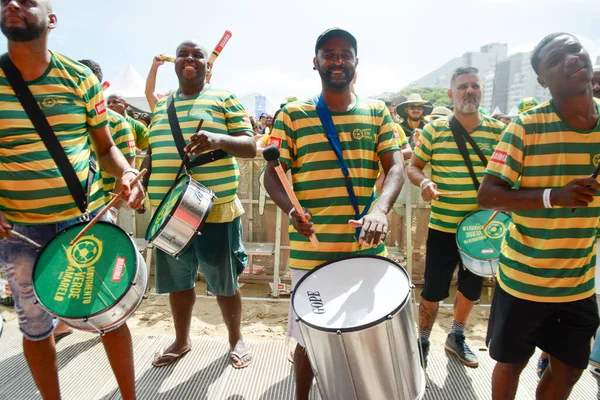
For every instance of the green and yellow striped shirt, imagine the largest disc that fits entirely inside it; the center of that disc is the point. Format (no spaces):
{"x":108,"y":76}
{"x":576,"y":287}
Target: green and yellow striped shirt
{"x":140,"y":133}
{"x":223,"y":114}
{"x":125,"y":142}
{"x":366,"y":132}
{"x":32,"y":189}
{"x":449,"y":171}
{"x":548,"y":255}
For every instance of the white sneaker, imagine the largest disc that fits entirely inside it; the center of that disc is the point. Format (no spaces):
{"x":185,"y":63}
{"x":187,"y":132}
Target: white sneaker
{"x":594,"y":370}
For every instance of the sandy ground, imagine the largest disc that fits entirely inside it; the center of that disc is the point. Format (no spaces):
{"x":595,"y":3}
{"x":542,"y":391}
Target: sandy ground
{"x":260,"y":319}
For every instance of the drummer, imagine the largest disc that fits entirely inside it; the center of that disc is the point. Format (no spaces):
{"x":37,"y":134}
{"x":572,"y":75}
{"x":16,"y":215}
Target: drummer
{"x":34,"y":198}
{"x":219,"y":250}
{"x":450,"y":173}
{"x":545,"y":295}
{"x":365,"y":128}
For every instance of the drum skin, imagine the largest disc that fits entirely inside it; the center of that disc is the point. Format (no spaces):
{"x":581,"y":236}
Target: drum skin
{"x":356,"y":319}
{"x":180,"y":216}
{"x":94,"y":285}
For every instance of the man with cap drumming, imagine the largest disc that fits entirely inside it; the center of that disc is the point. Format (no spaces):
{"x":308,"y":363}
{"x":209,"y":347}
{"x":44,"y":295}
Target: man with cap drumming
{"x":412,"y":111}
{"x":365,"y":131}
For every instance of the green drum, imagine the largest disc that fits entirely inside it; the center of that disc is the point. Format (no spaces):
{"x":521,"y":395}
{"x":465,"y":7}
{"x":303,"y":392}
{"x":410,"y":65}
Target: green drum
{"x":480,"y":249}
{"x":95,"y":284}
{"x":180,"y":216}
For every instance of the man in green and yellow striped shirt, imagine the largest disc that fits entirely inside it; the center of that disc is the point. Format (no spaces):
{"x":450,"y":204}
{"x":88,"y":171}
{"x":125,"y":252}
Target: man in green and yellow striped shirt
{"x":365,"y":130}
{"x":450,"y":173}
{"x":545,"y":295}
{"x":119,"y":104}
{"x":220,"y":252}
{"x":34,"y":198}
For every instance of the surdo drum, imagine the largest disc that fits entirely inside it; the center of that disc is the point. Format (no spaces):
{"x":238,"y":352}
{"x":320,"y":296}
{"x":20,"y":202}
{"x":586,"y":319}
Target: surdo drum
{"x":356,"y":319}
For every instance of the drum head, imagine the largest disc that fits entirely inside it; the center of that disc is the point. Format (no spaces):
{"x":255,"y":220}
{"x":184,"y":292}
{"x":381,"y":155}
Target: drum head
{"x":351,"y":294}
{"x":89,"y":277}
{"x":480,"y":244}
{"x":167,"y":205}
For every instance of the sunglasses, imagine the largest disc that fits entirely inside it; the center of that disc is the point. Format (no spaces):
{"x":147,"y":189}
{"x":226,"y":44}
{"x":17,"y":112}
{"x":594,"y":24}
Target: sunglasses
{"x":412,"y":107}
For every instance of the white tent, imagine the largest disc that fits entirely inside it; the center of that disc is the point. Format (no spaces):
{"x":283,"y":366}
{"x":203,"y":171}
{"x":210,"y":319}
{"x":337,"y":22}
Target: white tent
{"x":130,"y":85}
{"x":497,"y":111}
{"x":513,"y":112}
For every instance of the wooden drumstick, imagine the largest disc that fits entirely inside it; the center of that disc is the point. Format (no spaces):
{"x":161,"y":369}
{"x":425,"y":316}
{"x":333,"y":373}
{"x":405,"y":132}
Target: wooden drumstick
{"x":106,"y":208}
{"x":489,"y":221}
{"x":271,"y":154}
{"x":24,"y":238}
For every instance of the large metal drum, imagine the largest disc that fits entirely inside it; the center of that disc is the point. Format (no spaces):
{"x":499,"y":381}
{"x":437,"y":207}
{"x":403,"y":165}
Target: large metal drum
{"x":180,"y":216}
{"x":95,"y":284}
{"x":357,"y":322}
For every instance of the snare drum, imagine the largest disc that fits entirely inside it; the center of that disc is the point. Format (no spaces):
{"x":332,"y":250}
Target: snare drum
{"x":480,"y":250}
{"x":93,"y":285}
{"x":356,"y":319}
{"x":180,"y":216}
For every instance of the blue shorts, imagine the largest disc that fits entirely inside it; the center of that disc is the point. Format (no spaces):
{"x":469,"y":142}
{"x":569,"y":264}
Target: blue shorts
{"x":17,"y":259}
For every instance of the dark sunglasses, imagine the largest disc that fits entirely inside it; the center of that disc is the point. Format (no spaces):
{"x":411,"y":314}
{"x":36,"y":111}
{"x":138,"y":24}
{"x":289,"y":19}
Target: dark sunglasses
{"x":413,"y":107}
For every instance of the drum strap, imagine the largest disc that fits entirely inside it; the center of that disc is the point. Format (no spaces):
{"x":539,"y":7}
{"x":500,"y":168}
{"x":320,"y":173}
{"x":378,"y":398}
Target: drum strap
{"x":336,"y":145}
{"x":460,"y":134}
{"x":43,"y":128}
{"x":201,"y":159}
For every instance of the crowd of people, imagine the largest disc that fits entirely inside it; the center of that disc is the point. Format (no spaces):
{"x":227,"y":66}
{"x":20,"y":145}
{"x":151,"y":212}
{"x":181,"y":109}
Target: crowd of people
{"x":538,"y":168}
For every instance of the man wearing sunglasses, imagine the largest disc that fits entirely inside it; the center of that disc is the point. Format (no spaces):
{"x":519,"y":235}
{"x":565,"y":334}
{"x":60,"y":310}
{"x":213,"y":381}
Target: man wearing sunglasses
{"x":413,"y":112}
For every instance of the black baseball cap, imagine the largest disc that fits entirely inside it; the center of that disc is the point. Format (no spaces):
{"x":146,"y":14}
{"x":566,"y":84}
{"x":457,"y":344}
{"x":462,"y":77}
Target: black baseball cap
{"x":331,"y":32}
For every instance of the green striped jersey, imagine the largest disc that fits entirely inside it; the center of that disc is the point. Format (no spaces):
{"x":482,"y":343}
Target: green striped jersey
{"x":437,"y":146}
{"x":366,"y":132}
{"x":223,"y":114}
{"x":125,"y":142}
{"x":548,"y":255}
{"x":32,"y":189}
{"x":140,"y":133}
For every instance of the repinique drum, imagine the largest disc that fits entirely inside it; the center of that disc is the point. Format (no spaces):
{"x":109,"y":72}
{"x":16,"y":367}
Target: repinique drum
{"x":180,"y":216}
{"x":95,"y":284}
{"x":480,"y":249}
{"x":357,"y":322}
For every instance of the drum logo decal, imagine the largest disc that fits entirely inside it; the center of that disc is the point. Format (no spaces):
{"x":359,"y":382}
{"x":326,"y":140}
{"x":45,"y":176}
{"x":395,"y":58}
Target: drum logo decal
{"x":118,"y":269}
{"x":495,"y":230}
{"x":85,"y":252}
{"x":316,"y":302}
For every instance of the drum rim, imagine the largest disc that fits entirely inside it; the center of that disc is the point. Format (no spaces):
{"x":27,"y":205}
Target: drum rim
{"x":117,"y":301}
{"x":394,"y":312}
{"x":461,"y":249}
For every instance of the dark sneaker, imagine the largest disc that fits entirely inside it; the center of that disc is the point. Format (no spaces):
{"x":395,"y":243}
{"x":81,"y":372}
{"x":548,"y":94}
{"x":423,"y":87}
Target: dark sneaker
{"x":542,"y":365}
{"x":423,"y":345}
{"x":456,"y":344}
{"x":594,"y":369}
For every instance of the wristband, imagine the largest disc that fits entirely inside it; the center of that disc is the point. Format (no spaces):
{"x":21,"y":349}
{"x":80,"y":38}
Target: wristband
{"x":130,"y":170}
{"x":291,"y":211}
{"x":546,"y":198}
{"x":424,"y":182}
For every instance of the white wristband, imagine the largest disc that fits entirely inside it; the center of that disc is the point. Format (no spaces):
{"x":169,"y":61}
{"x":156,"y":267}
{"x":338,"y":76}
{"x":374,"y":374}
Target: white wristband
{"x":424,"y":182}
{"x":546,"y":198}
{"x":130,"y":170}
{"x":291,"y":211}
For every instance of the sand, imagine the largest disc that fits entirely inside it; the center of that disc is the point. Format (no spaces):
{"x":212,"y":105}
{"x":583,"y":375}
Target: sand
{"x":264,"y":319}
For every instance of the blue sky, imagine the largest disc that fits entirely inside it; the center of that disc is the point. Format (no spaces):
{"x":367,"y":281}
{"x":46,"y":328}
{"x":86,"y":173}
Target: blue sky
{"x":273,"y":41}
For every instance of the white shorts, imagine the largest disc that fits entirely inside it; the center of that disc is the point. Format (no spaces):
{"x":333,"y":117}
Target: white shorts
{"x":293,"y":327}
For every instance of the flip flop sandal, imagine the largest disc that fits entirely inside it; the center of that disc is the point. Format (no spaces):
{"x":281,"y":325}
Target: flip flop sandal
{"x":241,"y":358}
{"x":171,"y":358}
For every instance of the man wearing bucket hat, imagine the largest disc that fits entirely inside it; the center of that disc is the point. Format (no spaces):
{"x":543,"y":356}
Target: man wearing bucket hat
{"x":364,"y":129}
{"x":545,"y":294}
{"x":439,"y":146}
{"x":412,"y":111}
{"x":438,"y":112}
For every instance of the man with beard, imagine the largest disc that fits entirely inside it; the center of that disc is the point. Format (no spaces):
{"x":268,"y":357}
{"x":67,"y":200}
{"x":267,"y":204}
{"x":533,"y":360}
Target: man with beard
{"x":365,"y":130}
{"x":34,"y":198}
{"x":437,"y":145}
{"x":118,"y":104}
{"x":219,"y":250}
{"x":540,"y":172}
{"x":412,"y":112}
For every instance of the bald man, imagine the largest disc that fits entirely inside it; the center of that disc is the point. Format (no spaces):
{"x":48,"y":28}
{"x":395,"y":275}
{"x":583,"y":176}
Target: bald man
{"x":219,"y":250}
{"x":34,"y":198}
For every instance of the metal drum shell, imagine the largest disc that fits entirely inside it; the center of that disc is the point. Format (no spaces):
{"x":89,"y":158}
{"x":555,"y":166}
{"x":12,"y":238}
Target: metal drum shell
{"x":379,"y":361}
{"x":185,"y":221}
{"x":116,"y":315}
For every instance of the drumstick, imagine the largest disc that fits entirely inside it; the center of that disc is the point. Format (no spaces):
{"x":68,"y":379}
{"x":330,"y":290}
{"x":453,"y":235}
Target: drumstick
{"x":449,"y":194}
{"x":271,"y":154}
{"x":594,"y":175}
{"x":106,"y":208}
{"x":24,"y":238}
{"x":215,"y":53}
{"x":489,"y":221}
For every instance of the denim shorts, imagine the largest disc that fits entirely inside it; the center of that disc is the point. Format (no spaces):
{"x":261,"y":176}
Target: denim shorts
{"x":17,"y":259}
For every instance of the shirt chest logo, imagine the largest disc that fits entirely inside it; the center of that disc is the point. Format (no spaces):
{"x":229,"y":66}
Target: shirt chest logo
{"x":596,"y":160}
{"x":360,"y":134}
{"x":50,"y":102}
